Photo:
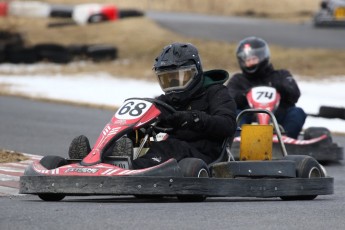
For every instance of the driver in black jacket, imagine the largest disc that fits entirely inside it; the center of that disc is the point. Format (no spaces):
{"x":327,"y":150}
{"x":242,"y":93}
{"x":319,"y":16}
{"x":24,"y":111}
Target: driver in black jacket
{"x":254,"y":60}
{"x":206,"y":113}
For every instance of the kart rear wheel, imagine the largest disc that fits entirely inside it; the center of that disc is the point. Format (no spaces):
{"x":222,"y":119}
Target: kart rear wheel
{"x":193,"y":167}
{"x":306,"y":167}
{"x":79,"y":147}
{"x":123,"y":147}
{"x":314,"y":132}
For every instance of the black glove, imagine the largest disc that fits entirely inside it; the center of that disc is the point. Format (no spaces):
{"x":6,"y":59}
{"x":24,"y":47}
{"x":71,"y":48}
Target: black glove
{"x":192,"y":119}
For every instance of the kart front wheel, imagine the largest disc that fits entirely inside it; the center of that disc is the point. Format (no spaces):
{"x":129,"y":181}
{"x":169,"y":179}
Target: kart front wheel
{"x":193,"y":167}
{"x":52,"y":162}
{"x":306,"y":167}
{"x":51,"y":196}
{"x":314,"y":132}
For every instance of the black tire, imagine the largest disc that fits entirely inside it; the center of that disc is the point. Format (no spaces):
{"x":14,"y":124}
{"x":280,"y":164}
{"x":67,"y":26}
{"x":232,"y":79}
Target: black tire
{"x":61,"y":11}
{"x":9,"y":38}
{"x":79,"y":147}
{"x":77,"y":51}
{"x":332,"y":112}
{"x":314,"y":132}
{"x":99,"y":53}
{"x":193,"y":167}
{"x":2,"y":53}
{"x":149,"y":197}
{"x":130,"y":13}
{"x":306,"y":167}
{"x":53,"y":53}
{"x":51,"y":196}
{"x":52,"y":162}
{"x":17,"y":55}
{"x":123,"y":147}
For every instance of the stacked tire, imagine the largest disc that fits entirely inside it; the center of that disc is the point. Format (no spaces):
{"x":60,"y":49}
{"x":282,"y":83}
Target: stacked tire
{"x":96,"y":53}
{"x":14,"y":50}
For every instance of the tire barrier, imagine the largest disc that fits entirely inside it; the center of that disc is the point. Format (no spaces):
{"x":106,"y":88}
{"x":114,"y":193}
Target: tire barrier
{"x":3,"y":8}
{"x":53,"y":53}
{"x":80,"y":14}
{"x":99,"y":53}
{"x":330,"y":112}
{"x":61,"y":11}
{"x":18,"y":55}
{"x":28,"y":9}
{"x":13,"y":50}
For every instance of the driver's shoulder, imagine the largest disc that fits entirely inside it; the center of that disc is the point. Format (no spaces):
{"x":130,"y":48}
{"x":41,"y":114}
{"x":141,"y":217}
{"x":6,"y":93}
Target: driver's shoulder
{"x":282,"y":73}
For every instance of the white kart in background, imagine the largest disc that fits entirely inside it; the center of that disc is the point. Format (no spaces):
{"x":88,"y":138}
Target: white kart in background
{"x":331,"y":13}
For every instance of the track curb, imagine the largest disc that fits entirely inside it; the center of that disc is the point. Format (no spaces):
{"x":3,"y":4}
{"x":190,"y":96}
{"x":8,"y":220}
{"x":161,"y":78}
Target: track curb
{"x":10,"y":173}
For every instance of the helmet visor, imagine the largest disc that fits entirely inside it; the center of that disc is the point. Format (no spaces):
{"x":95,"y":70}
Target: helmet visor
{"x":248,"y":53}
{"x":177,"y":79}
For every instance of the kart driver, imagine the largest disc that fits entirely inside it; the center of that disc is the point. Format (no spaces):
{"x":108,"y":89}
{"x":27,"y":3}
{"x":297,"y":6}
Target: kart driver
{"x":205,"y":112}
{"x":253,"y":56}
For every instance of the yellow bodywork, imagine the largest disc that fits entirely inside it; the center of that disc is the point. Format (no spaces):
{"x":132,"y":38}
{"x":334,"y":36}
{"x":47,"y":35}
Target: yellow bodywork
{"x":256,"y":142}
{"x":339,"y":13}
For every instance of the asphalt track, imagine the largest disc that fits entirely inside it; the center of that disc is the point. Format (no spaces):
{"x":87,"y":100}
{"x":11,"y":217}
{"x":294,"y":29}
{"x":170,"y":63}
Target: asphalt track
{"x":47,"y":128}
{"x":234,"y":29}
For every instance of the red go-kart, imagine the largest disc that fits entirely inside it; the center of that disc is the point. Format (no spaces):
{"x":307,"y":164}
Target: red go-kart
{"x":313,"y":141}
{"x":103,"y":171}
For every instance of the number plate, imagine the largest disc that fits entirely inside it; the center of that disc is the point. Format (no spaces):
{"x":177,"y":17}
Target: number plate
{"x":339,"y":13}
{"x":264,"y":94}
{"x":132,"y":109}
{"x":119,"y":161}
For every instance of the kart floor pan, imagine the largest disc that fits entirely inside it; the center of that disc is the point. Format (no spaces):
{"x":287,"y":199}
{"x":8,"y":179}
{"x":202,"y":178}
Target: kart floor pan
{"x":329,"y":153}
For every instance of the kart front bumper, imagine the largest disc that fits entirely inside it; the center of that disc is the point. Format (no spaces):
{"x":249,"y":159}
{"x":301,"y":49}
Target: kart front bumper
{"x":172,"y":186}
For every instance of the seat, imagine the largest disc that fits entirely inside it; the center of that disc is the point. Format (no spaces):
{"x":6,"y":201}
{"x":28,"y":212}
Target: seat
{"x":226,"y":145}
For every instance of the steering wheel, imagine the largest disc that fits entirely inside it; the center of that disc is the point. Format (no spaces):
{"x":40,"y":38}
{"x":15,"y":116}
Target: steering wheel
{"x":166,"y":106}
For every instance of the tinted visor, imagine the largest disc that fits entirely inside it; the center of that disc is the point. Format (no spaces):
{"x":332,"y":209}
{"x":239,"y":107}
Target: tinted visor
{"x":248,"y":52}
{"x":177,"y":79}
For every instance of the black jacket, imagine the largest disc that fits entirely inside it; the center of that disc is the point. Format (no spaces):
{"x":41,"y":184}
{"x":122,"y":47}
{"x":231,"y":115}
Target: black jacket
{"x":219,"y":121}
{"x":282,"y":80}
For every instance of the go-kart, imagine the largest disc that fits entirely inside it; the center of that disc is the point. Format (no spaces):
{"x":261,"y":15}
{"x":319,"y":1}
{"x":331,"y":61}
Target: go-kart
{"x":331,"y":13}
{"x":191,"y":179}
{"x":313,"y":141}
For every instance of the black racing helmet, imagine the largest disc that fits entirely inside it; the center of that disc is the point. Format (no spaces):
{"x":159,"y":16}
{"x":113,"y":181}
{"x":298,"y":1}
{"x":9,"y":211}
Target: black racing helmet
{"x":253,"y":47}
{"x":179,"y":71}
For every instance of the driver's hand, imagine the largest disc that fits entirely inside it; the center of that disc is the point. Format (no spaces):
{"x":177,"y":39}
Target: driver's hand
{"x":187,"y":119}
